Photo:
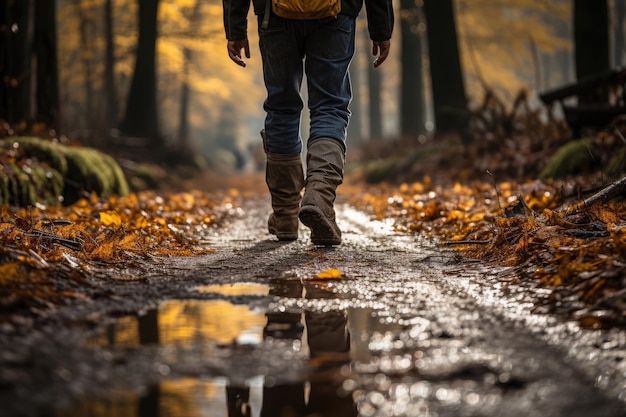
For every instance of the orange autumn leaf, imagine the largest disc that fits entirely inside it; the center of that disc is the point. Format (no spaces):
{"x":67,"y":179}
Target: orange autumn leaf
{"x":330,"y":273}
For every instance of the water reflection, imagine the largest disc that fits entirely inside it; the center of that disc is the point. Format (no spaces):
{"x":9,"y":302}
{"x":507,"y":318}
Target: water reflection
{"x":180,"y":323}
{"x":328,"y":340}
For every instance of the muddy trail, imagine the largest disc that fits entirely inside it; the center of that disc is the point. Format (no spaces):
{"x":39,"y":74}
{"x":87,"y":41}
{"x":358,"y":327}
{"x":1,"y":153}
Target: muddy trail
{"x":406,"y":329}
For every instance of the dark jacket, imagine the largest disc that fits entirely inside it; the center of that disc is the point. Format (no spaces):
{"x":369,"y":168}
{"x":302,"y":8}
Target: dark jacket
{"x":379,"y":16}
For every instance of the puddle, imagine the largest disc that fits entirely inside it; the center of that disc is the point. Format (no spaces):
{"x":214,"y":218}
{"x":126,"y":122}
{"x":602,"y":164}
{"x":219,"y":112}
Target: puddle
{"x":186,"y":397}
{"x":259,"y":341}
{"x":241,"y":288}
{"x":216,"y":398}
{"x":311,"y":354}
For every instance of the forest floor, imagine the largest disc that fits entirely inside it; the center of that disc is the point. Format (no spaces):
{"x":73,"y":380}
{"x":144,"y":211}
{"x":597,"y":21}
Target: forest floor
{"x":388,"y":323}
{"x":449,"y":245}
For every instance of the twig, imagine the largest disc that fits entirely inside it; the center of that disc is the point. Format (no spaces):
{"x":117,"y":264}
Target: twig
{"x":68,"y":243}
{"x":606,"y":194}
{"x":495,"y":187}
{"x":468,"y":242}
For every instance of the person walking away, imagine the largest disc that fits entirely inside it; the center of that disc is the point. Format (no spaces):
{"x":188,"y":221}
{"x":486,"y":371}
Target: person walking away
{"x":320,"y":44}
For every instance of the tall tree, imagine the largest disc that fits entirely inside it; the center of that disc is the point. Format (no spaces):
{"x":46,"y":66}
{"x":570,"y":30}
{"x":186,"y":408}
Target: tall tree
{"x":28,"y":60}
{"x":449,"y":99}
{"x":185,"y":93}
{"x":619,"y":44}
{"x":46,"y":56}
{"x":375,"y":108}
{"x":15,"y":60}
{"x":110,"y":91}
{"x":412,"y":101}
{"x":591,"y":42}
{"x":355,"y":131}
{"x":87,"y":46}
{"x":140,"y":117}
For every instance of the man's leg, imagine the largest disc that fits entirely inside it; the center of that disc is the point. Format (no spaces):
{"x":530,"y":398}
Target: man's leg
{"x":282,"y":73}
{"x":329,"y":50}
{"x":282,"y":52}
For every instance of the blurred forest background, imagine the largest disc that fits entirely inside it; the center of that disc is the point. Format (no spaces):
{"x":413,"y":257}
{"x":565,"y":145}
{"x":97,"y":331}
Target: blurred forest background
{"x":128,"y":75}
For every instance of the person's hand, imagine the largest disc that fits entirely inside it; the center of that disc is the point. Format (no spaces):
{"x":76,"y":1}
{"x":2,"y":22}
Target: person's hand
{"x":381,"y":51}
{"x":234,"y":51}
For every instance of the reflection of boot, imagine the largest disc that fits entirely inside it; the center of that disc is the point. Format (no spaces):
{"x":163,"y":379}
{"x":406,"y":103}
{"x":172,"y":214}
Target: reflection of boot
{"x":238,"y":401}
{"x":284,"y":325}
{"x":283,"y":400}
{"x":325,"y":161}
{"x":328,"y":337}
{"x":285,"y":178}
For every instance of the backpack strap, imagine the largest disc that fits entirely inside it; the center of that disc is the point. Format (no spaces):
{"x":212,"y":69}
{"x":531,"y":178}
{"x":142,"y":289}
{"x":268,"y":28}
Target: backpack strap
{"x":266,"y":15}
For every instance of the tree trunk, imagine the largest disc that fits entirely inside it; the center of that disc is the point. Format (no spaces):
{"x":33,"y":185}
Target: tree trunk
{"x":86,"y":48}
{"x":449,"y":99}
{"x":412,"y":101}
{"x":16,"y":49}
{"x":619,"y":44}
{"x":375,"y":110}
{"x":110,"y":92}
{"x":185,"y":93}
{"x":140,"y":118}
{"x":47,"y":70}
{"x":591,"y":43}
{"x":358,"y":76}
{"x":355,"y":131}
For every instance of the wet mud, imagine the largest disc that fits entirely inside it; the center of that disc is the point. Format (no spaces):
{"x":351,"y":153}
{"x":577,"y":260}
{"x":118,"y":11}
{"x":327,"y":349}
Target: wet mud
{"x":409,"y":329}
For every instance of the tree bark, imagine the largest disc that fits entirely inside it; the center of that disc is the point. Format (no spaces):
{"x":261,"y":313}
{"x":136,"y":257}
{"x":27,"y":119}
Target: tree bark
{"x":619,"y":44}
{"x":355,"y":131}
{"x":47,"y":69}
{"x":110,"y":91}
{"x":86,"y":46}
{"x":412,"y":101}
{"x":185,"y":93}
{"x":16,"y":48}
{"x":591,"y":43}
{"x":140,"y":118}
{"x":449,"y":99}
{"x":375,"y":108}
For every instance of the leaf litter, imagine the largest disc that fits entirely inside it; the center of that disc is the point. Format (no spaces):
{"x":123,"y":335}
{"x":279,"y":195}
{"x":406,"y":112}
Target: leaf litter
{"x":47,"y":253}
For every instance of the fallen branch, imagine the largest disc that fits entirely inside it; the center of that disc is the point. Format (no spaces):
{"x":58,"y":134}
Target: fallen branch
{"x":606,"y":194}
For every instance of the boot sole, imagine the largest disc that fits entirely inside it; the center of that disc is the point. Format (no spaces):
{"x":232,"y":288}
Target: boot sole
{"x":323,"y":231}
{"x":284,"y":236}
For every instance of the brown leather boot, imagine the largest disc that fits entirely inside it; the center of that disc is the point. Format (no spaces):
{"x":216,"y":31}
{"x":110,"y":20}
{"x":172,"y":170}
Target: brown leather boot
{"x":285,"y":178}
{"x":325,"y":162}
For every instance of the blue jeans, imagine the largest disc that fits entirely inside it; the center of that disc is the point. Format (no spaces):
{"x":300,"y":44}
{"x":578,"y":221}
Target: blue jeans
{"x":321,"y":49}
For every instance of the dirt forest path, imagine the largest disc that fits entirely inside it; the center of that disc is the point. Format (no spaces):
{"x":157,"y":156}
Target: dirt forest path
{"x":408,"y":329}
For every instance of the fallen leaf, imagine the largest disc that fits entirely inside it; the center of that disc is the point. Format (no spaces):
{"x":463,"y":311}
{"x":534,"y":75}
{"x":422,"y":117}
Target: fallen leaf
{"x":330,"y":273}
{"x":110,"y":218}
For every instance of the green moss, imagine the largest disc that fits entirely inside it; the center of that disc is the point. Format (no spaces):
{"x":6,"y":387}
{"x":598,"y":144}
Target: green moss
{"x":42,"y":149}
{"x":51,"y":170}
{"x":573,"y":158}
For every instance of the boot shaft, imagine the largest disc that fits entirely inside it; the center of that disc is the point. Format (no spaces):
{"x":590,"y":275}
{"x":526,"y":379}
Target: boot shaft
{"x":325,"y":162}
{"x":284,"y":176}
